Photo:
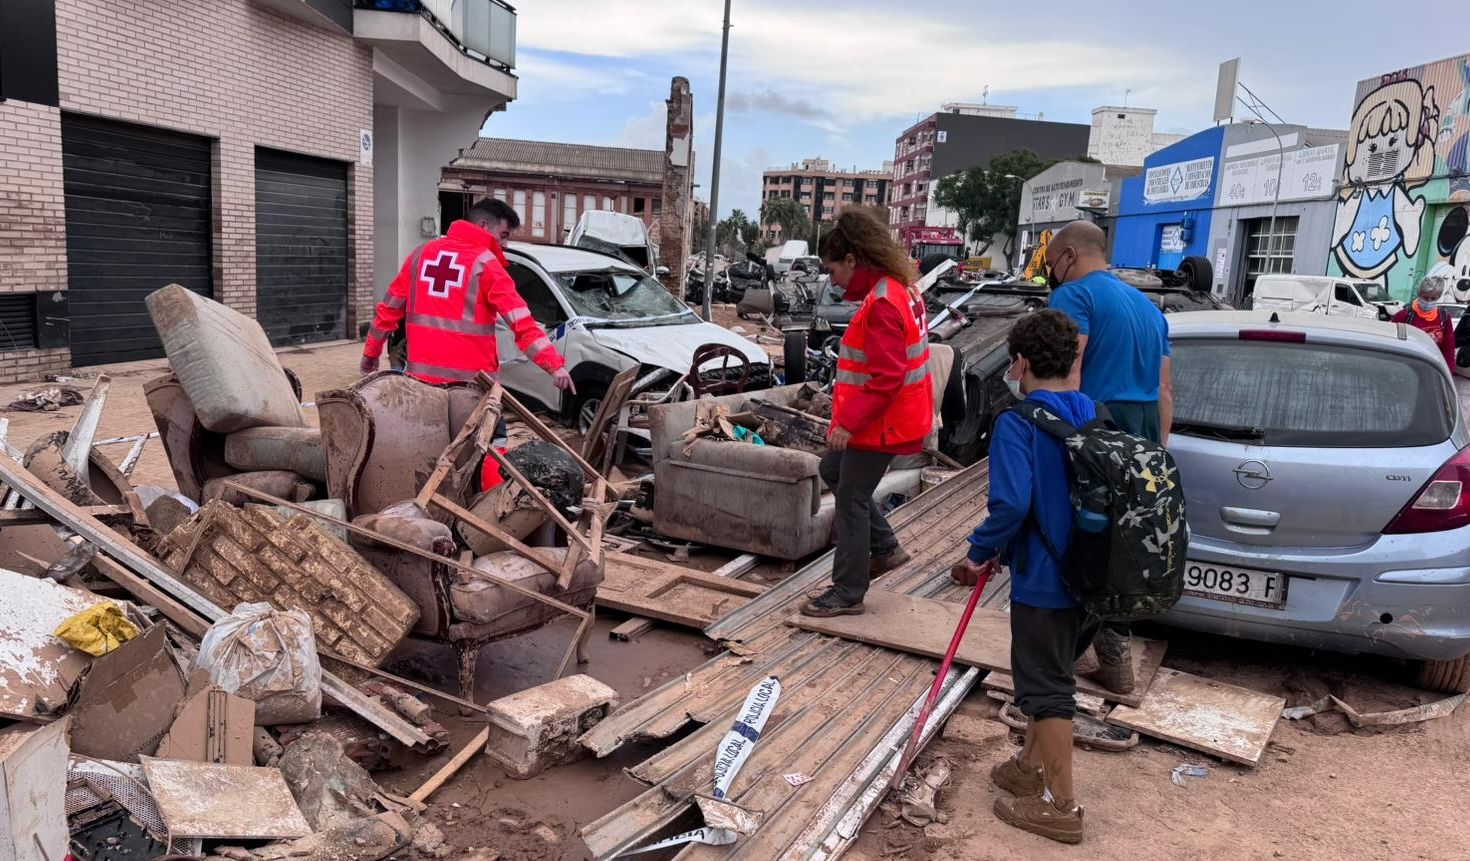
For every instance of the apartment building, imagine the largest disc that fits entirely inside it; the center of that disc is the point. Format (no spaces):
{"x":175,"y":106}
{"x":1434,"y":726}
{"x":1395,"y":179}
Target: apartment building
{"x":824,"y":190}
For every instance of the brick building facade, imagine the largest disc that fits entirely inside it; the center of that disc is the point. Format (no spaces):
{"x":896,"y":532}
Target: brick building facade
{"x":824,"y":191}
{"x":232,"y":104}
{"x":550,"y":185}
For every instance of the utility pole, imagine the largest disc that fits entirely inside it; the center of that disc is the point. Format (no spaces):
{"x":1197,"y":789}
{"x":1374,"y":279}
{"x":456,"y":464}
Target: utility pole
{"x":714,"y":184}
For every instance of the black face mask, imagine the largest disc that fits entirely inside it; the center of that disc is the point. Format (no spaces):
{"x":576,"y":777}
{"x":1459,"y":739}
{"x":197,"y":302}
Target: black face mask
{"x":1052,"y":279}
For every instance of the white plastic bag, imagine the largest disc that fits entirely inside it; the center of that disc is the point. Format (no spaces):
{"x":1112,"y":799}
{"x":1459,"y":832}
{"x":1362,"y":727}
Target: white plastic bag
{"x":268,"y":656}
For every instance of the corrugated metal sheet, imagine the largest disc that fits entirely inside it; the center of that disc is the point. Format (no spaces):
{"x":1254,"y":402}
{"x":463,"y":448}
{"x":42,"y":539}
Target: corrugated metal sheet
{"x":845,"y":713}
{"x":565,"y":161}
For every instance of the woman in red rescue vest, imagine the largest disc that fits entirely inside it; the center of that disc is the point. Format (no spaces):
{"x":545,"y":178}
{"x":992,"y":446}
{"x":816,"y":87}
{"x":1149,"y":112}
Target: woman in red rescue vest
{"x":882,"y":404}
{"x":1426,"y":315}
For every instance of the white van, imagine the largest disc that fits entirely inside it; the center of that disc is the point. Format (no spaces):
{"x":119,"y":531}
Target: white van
{"x":789,"y":252}
{"x":618,"y":234}
{"x":1324,"y":294}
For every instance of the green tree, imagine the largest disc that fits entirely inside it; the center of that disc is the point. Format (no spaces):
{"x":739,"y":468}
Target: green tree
{"x":787,"y":214}
{"x":736,"y":234}
{"x":988,"y":201}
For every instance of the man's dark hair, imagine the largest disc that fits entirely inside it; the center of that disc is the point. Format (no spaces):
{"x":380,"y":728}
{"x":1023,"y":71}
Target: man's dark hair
{"x":488,"y":210}
{"x":1048,"y":340}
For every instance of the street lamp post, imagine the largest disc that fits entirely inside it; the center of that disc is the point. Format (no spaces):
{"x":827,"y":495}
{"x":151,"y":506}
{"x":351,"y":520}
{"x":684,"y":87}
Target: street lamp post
{"x":714,"y":184}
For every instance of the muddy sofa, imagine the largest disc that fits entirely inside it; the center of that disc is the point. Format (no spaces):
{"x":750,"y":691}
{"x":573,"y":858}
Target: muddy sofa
{"x":758,"y":499}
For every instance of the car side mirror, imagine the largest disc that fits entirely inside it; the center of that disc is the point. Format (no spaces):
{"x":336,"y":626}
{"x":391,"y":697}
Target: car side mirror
{"x":662,"y":271}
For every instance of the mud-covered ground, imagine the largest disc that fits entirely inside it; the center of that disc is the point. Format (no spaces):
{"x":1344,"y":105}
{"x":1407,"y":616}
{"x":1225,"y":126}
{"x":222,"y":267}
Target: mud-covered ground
{"x":1323,"y":790}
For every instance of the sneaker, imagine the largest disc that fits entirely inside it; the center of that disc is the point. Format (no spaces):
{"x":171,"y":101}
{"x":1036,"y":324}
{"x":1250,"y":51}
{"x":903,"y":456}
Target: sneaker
{"x":1009,"y":774}
{"x":1115,"y":662}
{"x":1039,"y":816}
{"x":885,"y":562}
{"x":829,"y":604}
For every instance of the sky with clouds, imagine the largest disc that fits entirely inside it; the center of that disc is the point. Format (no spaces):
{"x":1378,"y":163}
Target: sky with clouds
{"x":841,"y":80}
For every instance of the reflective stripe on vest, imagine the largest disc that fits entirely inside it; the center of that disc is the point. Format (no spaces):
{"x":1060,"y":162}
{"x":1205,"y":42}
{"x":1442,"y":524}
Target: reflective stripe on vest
{"x":472,"y":290}
{"x":394,"y":302}
{"x":516,"y":316}
{"x":423,"y":369}
{"x":467,"y":327}
{"x":537,"y":346}
{"x":909,"y":416}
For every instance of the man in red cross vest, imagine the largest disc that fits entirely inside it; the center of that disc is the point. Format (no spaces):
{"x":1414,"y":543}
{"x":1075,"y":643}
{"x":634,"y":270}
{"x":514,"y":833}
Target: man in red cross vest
{"x":448,"y":296}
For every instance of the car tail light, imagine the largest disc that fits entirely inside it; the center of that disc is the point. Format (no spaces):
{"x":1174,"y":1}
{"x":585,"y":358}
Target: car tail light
{"x":1273,"y":335}
{"x":1443,"y":503}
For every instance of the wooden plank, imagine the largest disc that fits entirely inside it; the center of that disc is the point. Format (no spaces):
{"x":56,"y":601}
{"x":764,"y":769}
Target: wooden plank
{"x":30,"y":516}
{"x":601,"y":441}
{"x":1223,"y":720}
{"x":632,"y":629}
{"x":737,"y":567}
{"x":191,"y":622}
{"x":924,"y":626}
{"x":669,"y":593}
{"x":445,"y":462}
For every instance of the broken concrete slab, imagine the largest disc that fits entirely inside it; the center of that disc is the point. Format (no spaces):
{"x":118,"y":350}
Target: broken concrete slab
{"x":33,"y":792}
{"x":198,"y":799}
{"x":538,"y":728}
{"x":37,"y":669}
{"x":255,"y":554}
{"x":126,"y":703}
{"x":213,"y":726}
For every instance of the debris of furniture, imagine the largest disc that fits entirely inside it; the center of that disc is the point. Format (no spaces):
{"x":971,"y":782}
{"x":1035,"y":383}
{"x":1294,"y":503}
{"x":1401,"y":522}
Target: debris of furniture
{"x":391,"y":438}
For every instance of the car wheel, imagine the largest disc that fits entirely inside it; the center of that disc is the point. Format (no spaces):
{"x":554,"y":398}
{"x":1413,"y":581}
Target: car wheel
{"x":794,"y":356}
{"x":1198,"y":274}
{"x":589,"y":398}
{"x":1451,"y":677}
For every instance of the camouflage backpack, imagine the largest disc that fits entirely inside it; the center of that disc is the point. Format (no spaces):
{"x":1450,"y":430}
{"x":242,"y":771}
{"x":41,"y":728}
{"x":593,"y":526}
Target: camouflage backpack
{"x":1125,"y":556}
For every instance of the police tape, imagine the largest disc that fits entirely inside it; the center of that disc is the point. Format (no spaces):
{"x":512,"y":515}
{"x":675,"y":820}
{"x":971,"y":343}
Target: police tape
{"x":707,"y":836}
{"x":744,"y":732}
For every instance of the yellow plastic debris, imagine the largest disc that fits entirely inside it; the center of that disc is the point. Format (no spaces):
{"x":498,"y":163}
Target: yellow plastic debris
{"x":97,"y":630}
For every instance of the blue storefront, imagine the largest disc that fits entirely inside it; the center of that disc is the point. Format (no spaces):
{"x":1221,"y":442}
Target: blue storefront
{"x":1164,"y":214}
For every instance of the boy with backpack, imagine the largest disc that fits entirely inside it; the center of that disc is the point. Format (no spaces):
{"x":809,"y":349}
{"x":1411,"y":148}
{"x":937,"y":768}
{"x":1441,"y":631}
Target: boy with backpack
{"x":1091,"y":529}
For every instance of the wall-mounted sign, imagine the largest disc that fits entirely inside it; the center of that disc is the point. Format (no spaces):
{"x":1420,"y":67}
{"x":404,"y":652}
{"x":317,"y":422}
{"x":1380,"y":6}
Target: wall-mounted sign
{"x":1306,"y":174}
{"x":1094,"y":198}
{"x":1171,"y":239}
{"x":365,"y":147}
{"x":1184,"y":180}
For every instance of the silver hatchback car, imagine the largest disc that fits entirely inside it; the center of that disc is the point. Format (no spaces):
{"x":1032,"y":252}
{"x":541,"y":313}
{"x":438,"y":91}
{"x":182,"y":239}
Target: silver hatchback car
{"x":1327,"y":481}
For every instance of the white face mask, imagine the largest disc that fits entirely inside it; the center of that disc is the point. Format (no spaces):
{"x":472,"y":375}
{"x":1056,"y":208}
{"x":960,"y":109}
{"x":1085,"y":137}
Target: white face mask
{"x":1014,"y":385}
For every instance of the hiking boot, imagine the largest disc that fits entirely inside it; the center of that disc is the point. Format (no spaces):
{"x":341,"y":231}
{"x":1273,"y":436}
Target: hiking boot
{"x":1115,"y":662}
{"x":829,"y":603}
{"x":882,"y":563}
{"x":1009,"y":774}
{"x":1039,"y":816}
{"x":1087,"y":664}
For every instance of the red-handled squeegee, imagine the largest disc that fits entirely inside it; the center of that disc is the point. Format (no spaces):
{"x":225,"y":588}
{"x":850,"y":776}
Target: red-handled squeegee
{"x":954,"y":646}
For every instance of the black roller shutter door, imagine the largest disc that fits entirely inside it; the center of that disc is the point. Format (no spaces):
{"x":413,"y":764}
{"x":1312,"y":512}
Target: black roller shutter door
{"x":137,"y":218}
{"x":300,"y":247}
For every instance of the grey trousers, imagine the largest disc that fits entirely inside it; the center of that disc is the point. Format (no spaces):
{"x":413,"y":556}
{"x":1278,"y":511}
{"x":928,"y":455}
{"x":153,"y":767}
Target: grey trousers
{"x":861,"y":528}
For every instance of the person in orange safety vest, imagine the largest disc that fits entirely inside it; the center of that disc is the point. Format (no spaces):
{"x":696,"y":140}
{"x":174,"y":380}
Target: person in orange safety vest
{"x":448,"y":296}
{"x":882,"y":403}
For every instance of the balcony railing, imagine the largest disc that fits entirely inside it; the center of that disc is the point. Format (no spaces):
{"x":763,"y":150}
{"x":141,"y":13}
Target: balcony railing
{"x":483,"y":29}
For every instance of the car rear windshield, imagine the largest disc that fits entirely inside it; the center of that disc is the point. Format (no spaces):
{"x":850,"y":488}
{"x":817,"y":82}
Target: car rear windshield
{"x":1308,"y":395}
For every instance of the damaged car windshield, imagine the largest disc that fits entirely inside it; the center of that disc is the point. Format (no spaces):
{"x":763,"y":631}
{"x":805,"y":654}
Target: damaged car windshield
{"x":618,"y":295}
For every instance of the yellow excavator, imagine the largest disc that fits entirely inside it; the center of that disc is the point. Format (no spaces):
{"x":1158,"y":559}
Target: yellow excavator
{"x":1036,"y":266}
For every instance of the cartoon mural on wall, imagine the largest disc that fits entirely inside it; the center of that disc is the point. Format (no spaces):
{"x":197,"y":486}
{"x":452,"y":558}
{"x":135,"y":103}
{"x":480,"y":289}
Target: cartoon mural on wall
{"x":1390,"y":152}
{"x":1405,"y":179}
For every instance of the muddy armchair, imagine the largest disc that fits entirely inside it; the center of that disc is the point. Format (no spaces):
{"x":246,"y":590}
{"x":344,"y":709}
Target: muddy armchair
{"x":382,"y":438}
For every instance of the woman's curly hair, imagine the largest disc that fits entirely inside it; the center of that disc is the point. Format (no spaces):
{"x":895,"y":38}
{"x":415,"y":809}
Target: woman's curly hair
{"x":860,"y":232}
{"x":1048,"y":340}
